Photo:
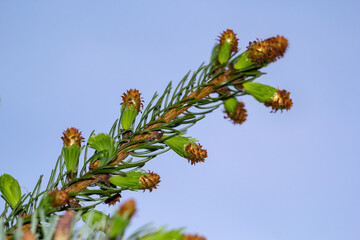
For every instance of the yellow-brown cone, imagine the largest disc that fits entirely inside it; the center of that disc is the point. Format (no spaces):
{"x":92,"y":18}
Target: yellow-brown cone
{"x":230,"y":37}
{"x":128,"y":209}
{"x":240,"y":114}
{"x":281,"y":101}
{"x":132,"y":97}
{"x":72,"y":136}
{"x":196,"y":153}
{"x":149,"y":181}
{"x":193,"y":237}
{"x":268,"y":50}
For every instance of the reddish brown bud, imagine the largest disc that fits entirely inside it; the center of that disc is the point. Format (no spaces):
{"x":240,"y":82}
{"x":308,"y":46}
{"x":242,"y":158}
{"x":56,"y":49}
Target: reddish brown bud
{"x":132,"y":97}
{"x":240,"y":114}
{"x":74,"y":203}
{"x":281,"y":101}
{"x":268,"y":50}
{"x":196,"y":153}
{"x":193,"y":237}
{"x":94,"y":165}
{"x":149,"y":181}
{"x":128,"y":209}
{"x":59,"y":198}
{"x":113,"y":200}
{"x":230,"y":37}
{"x":156,"y":135}
{"x":72,"y":136}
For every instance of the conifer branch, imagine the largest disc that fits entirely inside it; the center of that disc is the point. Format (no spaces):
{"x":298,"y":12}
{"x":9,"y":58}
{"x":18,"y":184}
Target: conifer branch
{"x":161,"y":127}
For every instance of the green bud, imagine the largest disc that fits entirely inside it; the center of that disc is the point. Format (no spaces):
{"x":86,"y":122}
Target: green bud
{"x":131,"y":105}
{"x":71,"y":156}
{"x":96,"y":220}
{"x":224,"y":53}
{"x":130,"y":181}
{"x":187,"y":148}
{"x":244,"y":63}
{"x":10,"y":190}
{"x":163,"y":234}
{"x":178,"y":143}
{"x":128,"y":117}
{"x":118,"y":225}
{"x":105,"y":145}
{"x":72,"y":148}
{"x":121,"y":218}
{"x":262,"y":93}
{"x":230,"y":105}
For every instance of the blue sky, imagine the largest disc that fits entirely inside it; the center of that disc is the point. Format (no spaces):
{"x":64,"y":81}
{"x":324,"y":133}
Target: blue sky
{"x":278,"y":176}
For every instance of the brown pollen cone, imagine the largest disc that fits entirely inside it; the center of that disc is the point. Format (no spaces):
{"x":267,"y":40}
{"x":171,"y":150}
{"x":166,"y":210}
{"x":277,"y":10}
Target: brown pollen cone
{"x":230,"y":37}
{"x":196,"y":153}
{"x":128,"y":209}
{"x":72,"y":136}
{"x":132,"y":97}
{"x":59,"y":198}
{"x":239,"y":115}
{"x":268,"y":50}
{"x":193,"y":237}
{"x":149,"y":181}
{"x":281,"y":101}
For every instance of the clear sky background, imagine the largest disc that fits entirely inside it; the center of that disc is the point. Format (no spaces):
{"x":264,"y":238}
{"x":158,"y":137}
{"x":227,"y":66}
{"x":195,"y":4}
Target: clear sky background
{"x":292,"y":175}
